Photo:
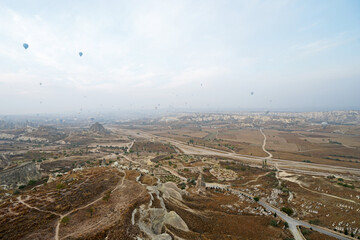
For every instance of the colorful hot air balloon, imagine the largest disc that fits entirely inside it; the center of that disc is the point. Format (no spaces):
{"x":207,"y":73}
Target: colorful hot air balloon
{"x":25,"y":45}
{"x":80,"y":54}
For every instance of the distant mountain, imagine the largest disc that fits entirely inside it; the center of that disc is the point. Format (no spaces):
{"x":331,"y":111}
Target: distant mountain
{"x":98,"y":128}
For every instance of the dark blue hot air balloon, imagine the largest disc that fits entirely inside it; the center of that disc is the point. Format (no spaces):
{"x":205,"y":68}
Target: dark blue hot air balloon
{"x":80,"y":54}
{"x":25,"y":45}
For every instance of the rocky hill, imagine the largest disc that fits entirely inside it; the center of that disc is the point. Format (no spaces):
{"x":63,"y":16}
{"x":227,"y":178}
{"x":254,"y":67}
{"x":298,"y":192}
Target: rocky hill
{"x":20,"y":175}
{"x":98,"y":129}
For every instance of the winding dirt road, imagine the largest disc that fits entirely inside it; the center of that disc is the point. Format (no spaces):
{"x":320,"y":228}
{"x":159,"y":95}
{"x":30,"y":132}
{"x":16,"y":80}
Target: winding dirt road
{"x":264,"y":144}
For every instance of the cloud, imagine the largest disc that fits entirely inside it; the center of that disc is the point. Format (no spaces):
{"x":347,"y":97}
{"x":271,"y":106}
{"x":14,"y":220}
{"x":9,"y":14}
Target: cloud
{"x":321,"y":45}
{"x":144,"y":52}
{"x":194,"y":77}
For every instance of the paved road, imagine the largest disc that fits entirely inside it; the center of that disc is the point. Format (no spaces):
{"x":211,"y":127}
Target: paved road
{"x":293,"y":223}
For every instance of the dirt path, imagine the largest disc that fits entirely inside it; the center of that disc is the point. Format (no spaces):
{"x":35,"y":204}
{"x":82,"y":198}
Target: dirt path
{"x":328,"y":195}
{"x":264,"y":144}
{"x":130,"y":145}
{"x":270,"y":156}
{"x":347,"y":146}
{"x":256,"y":179}
{"x":87,"y":205}
{"x":38,"y":209}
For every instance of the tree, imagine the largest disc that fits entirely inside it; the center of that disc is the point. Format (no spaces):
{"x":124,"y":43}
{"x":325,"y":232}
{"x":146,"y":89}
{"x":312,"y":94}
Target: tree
{"x":288,"y":211}
{"x":182,"y":185}
{"x":286,"y":225}
{"x":273,"y":223}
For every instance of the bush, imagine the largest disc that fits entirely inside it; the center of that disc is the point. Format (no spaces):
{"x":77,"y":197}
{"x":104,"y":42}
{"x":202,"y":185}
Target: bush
{"x":273,"y":223}
{"x":315,"y":221}
{"x":107,"y":196}
{"x":32,"y":182}
{"x":286,"y":225}
{"x":60,"y":186}
{"x":91,"y":211}
{"x":256,"y":199}
{"x":191,"y":181}
{"x":306,"y":231}
{"x":65,"y":219}
{"x":288,"y":211}
{"x":182,"y":185}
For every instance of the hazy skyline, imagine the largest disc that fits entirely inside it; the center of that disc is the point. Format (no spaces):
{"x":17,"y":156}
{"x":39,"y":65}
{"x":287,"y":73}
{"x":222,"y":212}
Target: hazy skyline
{"x":179,"y":54}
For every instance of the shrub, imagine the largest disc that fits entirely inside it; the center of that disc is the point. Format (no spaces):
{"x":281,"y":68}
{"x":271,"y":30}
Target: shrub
{"x":107,"y":196}
{"x":91,"y":211}
{"x":60,"y":186}
{"x":273,"y":223}
{"x":32,"y":182}
{"x":315,"y":221}
{"x":256,"y":199}
{"x":286,"y":225}
{"x":182,"y":185}
{"x":65,"y":219}
{"x":287,"y":210}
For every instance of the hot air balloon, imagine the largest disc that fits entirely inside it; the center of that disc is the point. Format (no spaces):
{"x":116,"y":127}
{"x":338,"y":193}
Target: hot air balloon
{"x":25,"y":45}
{"x":252,"y":93}
{"x":80,"y":54}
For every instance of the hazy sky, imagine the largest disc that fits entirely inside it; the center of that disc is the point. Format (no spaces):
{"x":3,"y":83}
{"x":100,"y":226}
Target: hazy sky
{"x":179,"y":54}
